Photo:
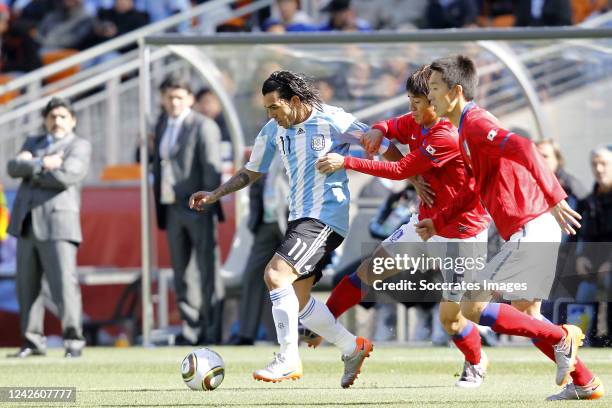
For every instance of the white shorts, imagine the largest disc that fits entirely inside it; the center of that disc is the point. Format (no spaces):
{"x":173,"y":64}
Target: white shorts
{"x":439,"y":247}
{"x":524,"y":267}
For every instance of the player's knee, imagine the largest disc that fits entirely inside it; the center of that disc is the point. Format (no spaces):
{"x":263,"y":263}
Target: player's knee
{"x":450,"y":324}
{"x":472,"y":311}
{"x":363,"y":272}
{"x":529,"y":308}
{"x":450,"y":317}
{"x":274,"y":278}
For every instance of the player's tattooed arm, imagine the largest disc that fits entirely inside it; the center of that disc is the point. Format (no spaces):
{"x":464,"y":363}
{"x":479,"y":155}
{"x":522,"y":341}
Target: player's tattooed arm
{"x":240,"y":180}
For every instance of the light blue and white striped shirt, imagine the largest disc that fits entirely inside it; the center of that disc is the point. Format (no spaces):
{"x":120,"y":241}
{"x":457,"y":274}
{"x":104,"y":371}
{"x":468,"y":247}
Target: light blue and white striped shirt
{"x":324,"y":197}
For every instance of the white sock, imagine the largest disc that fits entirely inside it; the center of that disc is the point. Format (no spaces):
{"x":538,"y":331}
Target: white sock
{"x":285,"y":310}
{"x":317,"y":317}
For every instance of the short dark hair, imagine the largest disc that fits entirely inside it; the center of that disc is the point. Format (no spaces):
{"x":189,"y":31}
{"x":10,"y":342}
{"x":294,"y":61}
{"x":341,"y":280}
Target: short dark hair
{"x":417,"y":81}
{"x":175,"y":81}
{"x":289,"y":84}
{"x":202,"y":92}
{"x":458,"y":70}
{"x":56,"y":102}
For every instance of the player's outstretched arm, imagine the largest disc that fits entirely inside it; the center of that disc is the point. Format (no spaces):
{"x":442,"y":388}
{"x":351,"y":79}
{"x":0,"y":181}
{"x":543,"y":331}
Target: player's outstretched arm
{"x":240,"y":180}
{"x":566,"y":217}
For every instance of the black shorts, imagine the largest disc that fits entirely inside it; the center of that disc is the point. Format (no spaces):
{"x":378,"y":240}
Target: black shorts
{"x":308,"y":245}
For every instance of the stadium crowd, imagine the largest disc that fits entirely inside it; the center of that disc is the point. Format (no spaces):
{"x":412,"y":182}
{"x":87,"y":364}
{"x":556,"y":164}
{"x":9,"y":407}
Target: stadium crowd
{"x":32,"y":31}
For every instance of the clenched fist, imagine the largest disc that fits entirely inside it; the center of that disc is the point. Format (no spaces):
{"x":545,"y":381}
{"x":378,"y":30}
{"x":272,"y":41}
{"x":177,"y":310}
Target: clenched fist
{"x":329,"y":163}
{"x":199,"y":199}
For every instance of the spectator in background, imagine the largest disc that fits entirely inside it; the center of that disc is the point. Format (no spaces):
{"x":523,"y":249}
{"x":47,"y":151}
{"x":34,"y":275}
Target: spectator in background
{"x":594,"y":261}
{"x":208,"y":104}
{"x":34,"y":10}
{"x":290,"y":17}
{"x":549,"y":149}
{"x":451,"y":14}
{"x":497,"y":13}
{"x":326,"y":89}
{"x":116,"y":21}
{"x":543,"y":13}
{"x":343,"y":17}
{"x":186,"y":159}
{"x":92,"y":6}
{"x":45,"y":220}
{"x":161,"y":9}
{"x":392,"y":14}
{"x":67,"y":27}
{"x":267,"y":237}
{"x":19,"y":51}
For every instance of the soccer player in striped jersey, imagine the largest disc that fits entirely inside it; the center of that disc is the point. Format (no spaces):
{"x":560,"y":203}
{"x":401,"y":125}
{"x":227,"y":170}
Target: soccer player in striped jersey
{"x":434,"y":155}
{"x":302,"y":129}
{"x":528,"y":206}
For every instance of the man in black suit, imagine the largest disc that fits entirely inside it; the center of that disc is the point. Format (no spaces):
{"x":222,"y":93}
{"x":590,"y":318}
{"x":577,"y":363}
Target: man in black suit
{"x":543,"y":13}
{"x":267,"y":236}
{"x":185,"y":159}
{"x":45,"y":220}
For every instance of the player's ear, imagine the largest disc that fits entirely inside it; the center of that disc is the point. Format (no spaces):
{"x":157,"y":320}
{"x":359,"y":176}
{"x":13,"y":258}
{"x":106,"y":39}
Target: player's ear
{"x":457,"y":91}
{"x":295,"y":100}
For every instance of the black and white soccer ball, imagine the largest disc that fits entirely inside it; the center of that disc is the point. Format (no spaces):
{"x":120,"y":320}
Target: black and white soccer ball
{"x":203,"y":370}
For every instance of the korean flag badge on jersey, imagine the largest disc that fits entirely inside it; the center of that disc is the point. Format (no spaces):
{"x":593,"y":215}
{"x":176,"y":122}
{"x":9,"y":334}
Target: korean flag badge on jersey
{"x":317,"y":143}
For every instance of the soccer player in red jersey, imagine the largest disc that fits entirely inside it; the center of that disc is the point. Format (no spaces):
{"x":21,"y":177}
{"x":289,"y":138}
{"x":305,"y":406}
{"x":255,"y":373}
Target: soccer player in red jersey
{"x":527,"y":205}
{"x":434,"y":155}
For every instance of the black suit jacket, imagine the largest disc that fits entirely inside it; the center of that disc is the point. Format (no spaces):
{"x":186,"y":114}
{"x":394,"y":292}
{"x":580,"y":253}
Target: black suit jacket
{"x":196,"y":163}
{"x":554,"y":13}
{"x":256,"y":204}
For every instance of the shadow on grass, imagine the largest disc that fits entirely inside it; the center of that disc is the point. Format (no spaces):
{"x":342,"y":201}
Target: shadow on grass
{"x":271,"y":388}
{"x":487,"y":403}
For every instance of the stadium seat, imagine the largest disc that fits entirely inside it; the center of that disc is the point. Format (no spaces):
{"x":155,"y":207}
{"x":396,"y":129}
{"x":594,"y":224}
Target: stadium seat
{"x":8,"y":96}
{"x":50,"y":57}
{"x":121,"y":172}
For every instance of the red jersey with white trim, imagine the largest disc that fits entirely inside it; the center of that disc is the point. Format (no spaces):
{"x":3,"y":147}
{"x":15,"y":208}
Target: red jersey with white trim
{"x":434,"y":154}
{"x":512,"y":179}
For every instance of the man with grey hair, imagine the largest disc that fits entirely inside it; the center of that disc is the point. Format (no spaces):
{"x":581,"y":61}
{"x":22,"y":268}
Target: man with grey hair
{"x":594,"y":262}
{"x":45,"y":220}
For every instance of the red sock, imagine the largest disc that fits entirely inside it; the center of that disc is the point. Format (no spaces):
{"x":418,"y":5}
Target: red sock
{"x":506,"y":319}
{"x":345,"y":295}
{"x":468,"y":341}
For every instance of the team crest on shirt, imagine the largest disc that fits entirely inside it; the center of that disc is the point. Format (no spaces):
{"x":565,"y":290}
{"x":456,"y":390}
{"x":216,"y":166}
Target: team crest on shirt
{"x":492,"y":135}
{"x":317,"y":143}
{"x":430,"y":149}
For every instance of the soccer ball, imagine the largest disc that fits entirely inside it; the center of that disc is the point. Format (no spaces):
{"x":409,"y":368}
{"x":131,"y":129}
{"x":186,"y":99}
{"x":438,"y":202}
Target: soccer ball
{"x":203,"y":369}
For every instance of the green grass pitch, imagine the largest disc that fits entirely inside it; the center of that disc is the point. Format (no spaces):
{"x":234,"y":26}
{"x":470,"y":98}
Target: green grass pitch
{"x":391,"y":377}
